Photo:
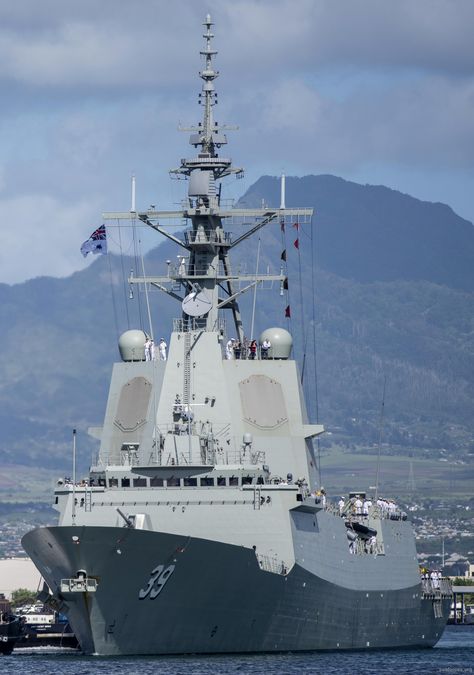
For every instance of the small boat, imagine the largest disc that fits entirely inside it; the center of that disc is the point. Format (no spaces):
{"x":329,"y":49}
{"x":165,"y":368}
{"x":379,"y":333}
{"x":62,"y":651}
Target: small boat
{"x":45,"y":627}
{"x":11,"y":630}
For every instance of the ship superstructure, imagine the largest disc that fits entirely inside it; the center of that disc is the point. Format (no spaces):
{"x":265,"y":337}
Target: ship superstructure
{"x":200,"y":529}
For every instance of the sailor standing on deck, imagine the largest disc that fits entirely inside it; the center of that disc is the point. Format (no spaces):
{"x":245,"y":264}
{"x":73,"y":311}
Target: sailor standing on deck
{"x":392,"y":507}
{"x":229,"y":349}
{"x":341,"y":504}
{"x":237,"y":349}
{"x":162,"y":347}
{"x":323,"y":497}
{"x":148,"y":349}
{"x":366,"y":506}
{"x":252,"y":349}
{"x":266,"y":344}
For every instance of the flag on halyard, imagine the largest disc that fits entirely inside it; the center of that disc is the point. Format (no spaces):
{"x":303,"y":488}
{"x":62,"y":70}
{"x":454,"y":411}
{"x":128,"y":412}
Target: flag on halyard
{"x":283,"y":255}
{"x":288,"y":312}
{"x":282,"y":225}
{"x":97,"y":242}
{"x":296,"y":243}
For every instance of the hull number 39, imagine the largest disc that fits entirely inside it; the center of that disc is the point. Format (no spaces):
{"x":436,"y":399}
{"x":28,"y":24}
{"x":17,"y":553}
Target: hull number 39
{"x":158,"y":578}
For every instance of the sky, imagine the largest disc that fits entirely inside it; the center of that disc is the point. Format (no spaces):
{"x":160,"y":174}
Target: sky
{"x":374,"y":91}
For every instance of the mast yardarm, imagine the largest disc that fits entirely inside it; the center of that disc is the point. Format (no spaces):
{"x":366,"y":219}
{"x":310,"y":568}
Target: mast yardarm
{"x":204,"y":281}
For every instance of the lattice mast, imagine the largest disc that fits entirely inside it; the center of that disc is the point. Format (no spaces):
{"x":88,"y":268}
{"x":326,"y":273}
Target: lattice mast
{"x":204,"y":275}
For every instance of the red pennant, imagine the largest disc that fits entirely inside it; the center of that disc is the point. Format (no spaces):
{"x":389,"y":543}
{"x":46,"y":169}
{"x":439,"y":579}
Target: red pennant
{"x":297,"y":225}
{"x":283,"y":255}
{"x":285,"y":284}
{"x":297,"y":243}
{"x":288,"y":312}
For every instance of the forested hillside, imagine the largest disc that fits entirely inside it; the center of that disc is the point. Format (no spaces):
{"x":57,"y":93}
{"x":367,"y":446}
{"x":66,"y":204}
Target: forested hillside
{"x":393,"y":297}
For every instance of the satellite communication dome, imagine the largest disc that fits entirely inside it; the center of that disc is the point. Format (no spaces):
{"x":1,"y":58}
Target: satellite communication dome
{"x":281,"y":342}
{"x":131,"y":345}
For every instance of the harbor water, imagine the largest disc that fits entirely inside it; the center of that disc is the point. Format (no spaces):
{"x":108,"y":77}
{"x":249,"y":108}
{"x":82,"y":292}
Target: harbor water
{"x":453,"y":655}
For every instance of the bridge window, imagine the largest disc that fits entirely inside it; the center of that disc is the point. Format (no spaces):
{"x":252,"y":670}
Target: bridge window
{"x":221,"y":481}
{"x":233,"y":481}
{"x":113,"y":482}
{"x":156,"y":482}
{"x":125,"y":482}
{"x":139,"y":482}
{"x":207,"y":481}
{"x":172,"y":482}
{"x":190,"y":482}
{"x":247,"y":480}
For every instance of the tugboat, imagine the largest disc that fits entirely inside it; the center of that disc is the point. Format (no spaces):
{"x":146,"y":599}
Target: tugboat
{"x":200,"y":528}
{"x":11,"y":627}
{"x":45,"y":627}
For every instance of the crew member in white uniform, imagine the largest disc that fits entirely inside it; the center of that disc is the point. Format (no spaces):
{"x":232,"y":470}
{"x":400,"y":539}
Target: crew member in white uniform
{"x":366,"y":506}
{"x":148,"y":349}
{"x":162,"y":347}
{"x":229,"y":349}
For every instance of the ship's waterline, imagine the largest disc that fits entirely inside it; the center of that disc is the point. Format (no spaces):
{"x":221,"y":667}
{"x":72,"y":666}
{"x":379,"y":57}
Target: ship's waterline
{"x":216,"y":598}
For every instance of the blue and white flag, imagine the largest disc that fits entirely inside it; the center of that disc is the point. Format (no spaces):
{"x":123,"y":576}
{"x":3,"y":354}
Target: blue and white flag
{"x":97,"y":242}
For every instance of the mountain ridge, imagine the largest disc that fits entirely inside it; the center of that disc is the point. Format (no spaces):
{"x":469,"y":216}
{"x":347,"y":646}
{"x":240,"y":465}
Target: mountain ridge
{"x":381,"y":220}
{"x":380,"y":312}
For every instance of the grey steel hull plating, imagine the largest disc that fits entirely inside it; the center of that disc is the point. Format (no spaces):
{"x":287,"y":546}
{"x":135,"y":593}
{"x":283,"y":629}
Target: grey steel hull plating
{"x":217,"y":599}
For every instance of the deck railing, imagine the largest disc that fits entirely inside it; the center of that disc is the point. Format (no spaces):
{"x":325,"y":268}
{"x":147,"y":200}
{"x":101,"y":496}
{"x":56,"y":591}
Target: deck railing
{"x":436,"y":587}
{"x":272,"y":564}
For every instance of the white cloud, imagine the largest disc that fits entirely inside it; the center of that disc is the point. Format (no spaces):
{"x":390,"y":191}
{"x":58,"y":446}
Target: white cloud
{"x":427,"y":122}
{"x":94,"y":90}
{"x":111,"y":44}
{"x":41,"y":237}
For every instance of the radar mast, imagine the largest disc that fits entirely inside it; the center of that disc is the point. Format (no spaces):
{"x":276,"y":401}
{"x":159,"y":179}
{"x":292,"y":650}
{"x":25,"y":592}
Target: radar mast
{"x":203,"y":280}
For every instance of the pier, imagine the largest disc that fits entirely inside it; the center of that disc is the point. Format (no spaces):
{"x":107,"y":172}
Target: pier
{"x":460,"y":591}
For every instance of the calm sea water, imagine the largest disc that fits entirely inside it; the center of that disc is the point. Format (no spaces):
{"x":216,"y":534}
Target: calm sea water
{"x":453,"y":655}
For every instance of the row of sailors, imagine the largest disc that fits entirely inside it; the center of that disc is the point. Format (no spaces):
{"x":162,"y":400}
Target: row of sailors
{"x":434,"y":577}
{"x":248,"y":349}
{"x":150,"y":350}
{"x":365,"y":546}
{"x":357,"y":506}
{"x":361,"y":507}
{"x":387,"y":506}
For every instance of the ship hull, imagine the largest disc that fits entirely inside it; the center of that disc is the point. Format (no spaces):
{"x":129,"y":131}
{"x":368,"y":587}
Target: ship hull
{"x":215,"y":598}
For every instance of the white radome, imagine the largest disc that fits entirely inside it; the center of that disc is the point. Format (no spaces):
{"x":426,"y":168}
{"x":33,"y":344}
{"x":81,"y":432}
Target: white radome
{"x":131,"y":345}
{"x":281,"y":342}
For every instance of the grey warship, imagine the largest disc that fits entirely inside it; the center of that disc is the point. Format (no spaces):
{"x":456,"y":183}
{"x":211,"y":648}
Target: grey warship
{"x":200,"y":528}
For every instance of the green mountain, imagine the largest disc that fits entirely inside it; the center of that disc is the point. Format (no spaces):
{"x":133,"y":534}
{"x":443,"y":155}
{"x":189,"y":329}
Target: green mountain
{"x":394,"y":281}
{"x":393,"y":303}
